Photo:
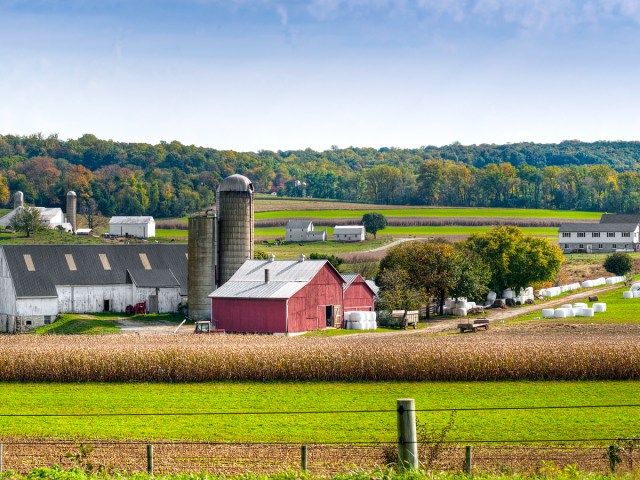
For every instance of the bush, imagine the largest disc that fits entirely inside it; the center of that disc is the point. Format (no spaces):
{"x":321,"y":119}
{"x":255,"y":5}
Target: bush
{"x":618,"y":263}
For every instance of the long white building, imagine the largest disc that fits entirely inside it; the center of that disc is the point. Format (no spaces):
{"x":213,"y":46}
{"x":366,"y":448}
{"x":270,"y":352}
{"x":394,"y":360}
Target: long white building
{"x":38,"y":282}
{"x":614,"y":233}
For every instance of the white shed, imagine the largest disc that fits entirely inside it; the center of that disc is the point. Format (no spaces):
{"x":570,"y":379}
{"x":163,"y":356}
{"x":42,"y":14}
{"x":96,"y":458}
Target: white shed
{"x":303,"y":231}
{"x":139,"y":227}
{"x":349,"y":233}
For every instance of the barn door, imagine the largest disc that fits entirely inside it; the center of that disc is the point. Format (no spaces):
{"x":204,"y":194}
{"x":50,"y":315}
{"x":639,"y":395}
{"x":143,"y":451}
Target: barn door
{"x":153,"y":304}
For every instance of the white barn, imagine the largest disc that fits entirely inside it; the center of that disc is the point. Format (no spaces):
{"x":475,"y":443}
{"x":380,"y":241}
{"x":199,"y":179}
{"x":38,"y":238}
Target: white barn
{"x":49,"y":218}
{"x":350,"y":233}
{"x":37,"y":282}
{"x":303,"y":231}
{"x":138,"y":227}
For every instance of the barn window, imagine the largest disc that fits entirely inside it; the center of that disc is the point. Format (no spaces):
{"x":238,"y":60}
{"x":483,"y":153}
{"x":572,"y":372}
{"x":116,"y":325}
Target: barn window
{"x":47,"y":319}
{"x":145,"y":261}
{"x":70,"y":262}
{"x":29,"y":262}
{"x":105,"y":261}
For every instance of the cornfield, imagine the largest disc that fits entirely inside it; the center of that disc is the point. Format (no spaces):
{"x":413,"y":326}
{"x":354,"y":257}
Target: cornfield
{"x":565,"y":353}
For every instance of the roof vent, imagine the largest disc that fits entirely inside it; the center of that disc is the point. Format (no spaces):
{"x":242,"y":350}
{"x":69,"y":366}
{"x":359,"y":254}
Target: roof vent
{"x":266,"y":275}
{"x":302,"y":257}
{"x":272,"y":257}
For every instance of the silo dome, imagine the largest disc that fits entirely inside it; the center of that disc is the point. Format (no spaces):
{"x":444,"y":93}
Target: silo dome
{"x":236,"y":183}
{"x":71,"y":193}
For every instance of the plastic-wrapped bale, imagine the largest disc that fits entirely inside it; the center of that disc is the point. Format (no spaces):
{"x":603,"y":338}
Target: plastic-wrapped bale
{"x":544,"y":292}
{"x":447,"y":310}
{"x":585,"y":312}
{"x":471,"y":305}
{"x":600,"y":281}
{"x":462,"y":304}
{"x":459,"y":312}
{"x":628,"y":294}
{"x":508,"y":293}
{"x":491,"y":297}
{"x":635,"y":286}
{"x":347,"y":316}
{"x":548,"y":313}
{"x":587,"y":284}
{"x":580,"y":305}
{"x":567,"y":305}
{"x":599,"y":307}
{"x":636,"y":294}
{"x":449,"y":302}
{"x":374,"y":320}
{"x":560,"y":313}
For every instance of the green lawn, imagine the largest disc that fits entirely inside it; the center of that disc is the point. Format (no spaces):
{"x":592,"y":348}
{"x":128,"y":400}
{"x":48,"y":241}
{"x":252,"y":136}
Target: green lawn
{"x":619,"y":310}
{"x":358,"y":210}
{"x":318,"y":396}
{"x":100,"y":323}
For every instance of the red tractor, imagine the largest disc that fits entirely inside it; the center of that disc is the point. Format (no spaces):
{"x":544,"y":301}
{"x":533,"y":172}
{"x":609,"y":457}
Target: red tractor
{"x":138,"y":309}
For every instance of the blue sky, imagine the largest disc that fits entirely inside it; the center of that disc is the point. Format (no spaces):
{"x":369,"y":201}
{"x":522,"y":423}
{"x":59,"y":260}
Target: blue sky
{"x":277,"y":75}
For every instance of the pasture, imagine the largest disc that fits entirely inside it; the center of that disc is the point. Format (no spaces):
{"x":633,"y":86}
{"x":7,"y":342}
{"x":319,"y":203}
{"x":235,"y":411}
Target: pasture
{"x":205,"y":404}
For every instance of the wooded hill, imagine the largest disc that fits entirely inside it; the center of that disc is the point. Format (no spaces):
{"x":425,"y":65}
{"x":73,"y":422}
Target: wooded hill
{"x":172,"y":179}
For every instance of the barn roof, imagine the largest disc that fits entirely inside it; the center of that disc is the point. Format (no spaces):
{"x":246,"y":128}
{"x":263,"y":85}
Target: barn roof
{"x":349,"y":278}
{"x":46,"y":214}
{"x":130,"y":220}
{"x":619,"y":218}
{"x":298,"y":223}
{"x":598,"y":227}
{"x":348,"y":229}
{"x":286,"y":278}
{"x":37,"y":269}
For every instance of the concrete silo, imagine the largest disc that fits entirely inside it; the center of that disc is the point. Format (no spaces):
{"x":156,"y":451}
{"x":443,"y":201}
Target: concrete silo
{"x":234,"y":203}
{"x":18,"y":199}
{"x":72,"y":209}
{"x":202,"y":265}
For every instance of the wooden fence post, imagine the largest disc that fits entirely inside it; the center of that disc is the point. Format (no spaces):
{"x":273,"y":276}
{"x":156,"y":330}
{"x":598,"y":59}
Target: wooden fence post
{"x":303,"y":457}
{"x":150,"y":459}
{"x":407,"y":437}
{"x":467,"y":459}
{"x":1,"y":465}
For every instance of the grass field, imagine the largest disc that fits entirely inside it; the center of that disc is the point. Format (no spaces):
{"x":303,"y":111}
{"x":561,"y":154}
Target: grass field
{"x":293,"y":250}
{"x":100,"y":323}
{"x":317,"y":396}
{"x":356,"y":211}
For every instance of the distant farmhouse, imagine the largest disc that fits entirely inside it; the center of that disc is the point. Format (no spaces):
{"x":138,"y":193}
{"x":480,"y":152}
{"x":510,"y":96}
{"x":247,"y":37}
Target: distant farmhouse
{"x":302,"y":231}
{"x":49,"y":217}
{"x":351,"y":233}
{"x":614,"y":233}
{"x":37,"y":282}
{"x":138,"y":227}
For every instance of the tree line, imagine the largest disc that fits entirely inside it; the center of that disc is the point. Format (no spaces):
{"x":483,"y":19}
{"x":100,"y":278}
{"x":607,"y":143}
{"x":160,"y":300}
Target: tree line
{"x":172,"y":179}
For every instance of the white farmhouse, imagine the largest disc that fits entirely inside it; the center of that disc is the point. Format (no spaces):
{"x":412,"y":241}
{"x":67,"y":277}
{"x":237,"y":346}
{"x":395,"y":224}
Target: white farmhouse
{"x":303,"y":231}
{"x":138,"y":227}
{"x":350,"y":233}
{"x":49,"y":218}
{"x":37,"y":282}
{"x":614,"y":233}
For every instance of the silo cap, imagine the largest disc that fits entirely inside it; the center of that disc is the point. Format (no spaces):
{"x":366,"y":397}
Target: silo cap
{"x":236,"y":183}
{"x":71,"y":193}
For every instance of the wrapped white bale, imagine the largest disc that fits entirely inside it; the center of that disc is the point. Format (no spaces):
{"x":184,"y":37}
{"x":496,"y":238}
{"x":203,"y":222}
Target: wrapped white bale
{"x":544,"y":292}
{"x":462,"y":304}
{"x":560,"y":313}
{"x":585,"y":312}
{"x":449,"y":302}
{"x":347,"y":316}
{"x":600,"y":281}
{"x":636,"y":294}
{"x":459,"y":312}
{"x":548,"y":313}
{"x":471,"y":304}
{"x":491,"y":297}
{"x":635,"y":286}
{"x":587,"y":284}
{"x":580,"y":305}
{"x":628,"y":294}
{"x":529,"y":291}
{"x":567,"y":305}
{"x":599,"y":307}
{"x":447,"y":310}
{"x":508,"y":293}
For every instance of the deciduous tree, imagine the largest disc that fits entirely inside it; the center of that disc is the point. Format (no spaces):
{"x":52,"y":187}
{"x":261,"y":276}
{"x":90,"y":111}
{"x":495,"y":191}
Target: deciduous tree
{"x":374,"y":222}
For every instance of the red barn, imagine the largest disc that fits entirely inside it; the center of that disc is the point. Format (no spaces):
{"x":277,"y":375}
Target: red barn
{"x":358,"y":294}
{"x":284,"y":296}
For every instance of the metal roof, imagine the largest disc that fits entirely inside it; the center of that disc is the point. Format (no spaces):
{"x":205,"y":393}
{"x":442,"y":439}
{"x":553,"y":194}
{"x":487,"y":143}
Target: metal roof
{"x":156,"y":278}
{"x":618,"y":218}
{"x":348,"y":279}
{"x":236,"y":183}
{"x":130,"y":220}
{"x":299,"y":223}
{"x":51,"y":267}
{"x":372,"y":285}
{"x":598,"y":227}
{"x":46,"y":214}
{"x":286,"y":278}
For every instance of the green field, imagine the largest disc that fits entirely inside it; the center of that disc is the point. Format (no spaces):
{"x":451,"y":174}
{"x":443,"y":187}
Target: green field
{"x":356,"y":211}
{"x":317,"y":396}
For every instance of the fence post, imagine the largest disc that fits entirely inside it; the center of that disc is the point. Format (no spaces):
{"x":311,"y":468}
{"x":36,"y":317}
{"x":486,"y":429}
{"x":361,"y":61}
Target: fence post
{"x":613,"y":457}
{"x":407,"y":437}
{"x":1,"y":458}
{"x":303,"y":457}
{"x":467,"y":459}
{"x":150,"y":459}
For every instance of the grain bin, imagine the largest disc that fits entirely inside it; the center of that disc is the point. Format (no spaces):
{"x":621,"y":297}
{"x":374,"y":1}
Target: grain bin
{"x":72,"y":209}
{"x":201,"y":265}
{"x":18,"y":199}
{"x":234,"y":202}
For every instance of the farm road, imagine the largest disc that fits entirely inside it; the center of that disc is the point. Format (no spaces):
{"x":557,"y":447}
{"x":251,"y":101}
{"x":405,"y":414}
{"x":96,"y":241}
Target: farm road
{"x":392,"y":244}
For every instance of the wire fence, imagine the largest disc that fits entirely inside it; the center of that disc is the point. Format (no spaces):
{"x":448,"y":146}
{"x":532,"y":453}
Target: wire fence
{"x":167,"y":457}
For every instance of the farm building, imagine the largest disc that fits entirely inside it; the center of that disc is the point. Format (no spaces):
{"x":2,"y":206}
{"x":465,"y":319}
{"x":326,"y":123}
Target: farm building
{"x":49,"y":218}
{"x":303,"y":231}
{"x":613,"y":233}
{"x":351,"y":233}
{"x":282,"y":297}
{"x":358,"y":294}
{"x":37,"y":282}
{"x":138,"y":227}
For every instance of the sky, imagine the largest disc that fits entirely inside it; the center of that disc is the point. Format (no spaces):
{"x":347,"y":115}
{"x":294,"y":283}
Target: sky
{"x":253,"y":75}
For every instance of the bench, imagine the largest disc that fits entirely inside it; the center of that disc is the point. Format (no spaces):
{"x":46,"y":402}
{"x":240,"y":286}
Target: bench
{"x":473,"y":327}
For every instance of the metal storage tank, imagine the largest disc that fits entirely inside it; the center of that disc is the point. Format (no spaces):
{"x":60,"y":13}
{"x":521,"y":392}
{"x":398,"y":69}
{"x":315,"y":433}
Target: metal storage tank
{"x":234,"y":202}
{"x":72,"y":208}
{"x":202,"y":265}
{"x":18,"y":199}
